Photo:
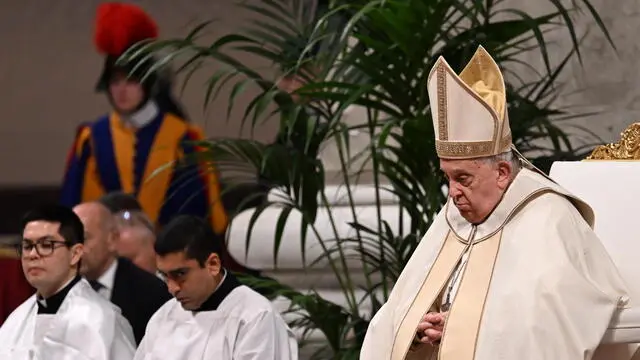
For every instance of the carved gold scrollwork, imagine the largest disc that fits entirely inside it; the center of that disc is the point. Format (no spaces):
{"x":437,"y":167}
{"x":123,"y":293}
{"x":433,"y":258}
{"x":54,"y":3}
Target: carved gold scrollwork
{"x":628,"y":148}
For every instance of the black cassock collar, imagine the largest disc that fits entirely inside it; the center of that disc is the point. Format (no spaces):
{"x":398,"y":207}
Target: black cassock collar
{"x":229,"y":283}
{"x":51,"y":305}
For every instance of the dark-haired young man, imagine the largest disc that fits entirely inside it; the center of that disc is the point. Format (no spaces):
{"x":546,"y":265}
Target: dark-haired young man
{"x":66,"y":318}
{"x":212,"y":316}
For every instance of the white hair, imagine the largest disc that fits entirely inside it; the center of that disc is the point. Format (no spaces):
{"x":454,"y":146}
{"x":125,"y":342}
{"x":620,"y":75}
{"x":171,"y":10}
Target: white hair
{"x":507,"y":156}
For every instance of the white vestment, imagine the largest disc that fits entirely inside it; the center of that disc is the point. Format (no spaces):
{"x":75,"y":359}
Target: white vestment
{"x":85,"y":327}
{"x":244,"y":326}
{"x":537,"y":283}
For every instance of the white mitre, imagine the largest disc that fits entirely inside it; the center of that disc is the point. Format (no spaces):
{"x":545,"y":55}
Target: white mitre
{"x":469,"y":110}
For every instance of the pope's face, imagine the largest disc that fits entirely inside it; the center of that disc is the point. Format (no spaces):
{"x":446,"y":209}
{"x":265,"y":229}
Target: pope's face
{"x":47,"y":260}
{"x":476,"y":186}
{"x":187,"y":280}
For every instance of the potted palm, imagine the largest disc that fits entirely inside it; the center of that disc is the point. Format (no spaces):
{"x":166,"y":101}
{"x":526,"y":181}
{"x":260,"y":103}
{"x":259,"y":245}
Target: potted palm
{"x":373,"y":56}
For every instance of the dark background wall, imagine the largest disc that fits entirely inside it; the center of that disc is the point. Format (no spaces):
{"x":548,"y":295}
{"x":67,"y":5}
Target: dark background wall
{"x":48,"y":68}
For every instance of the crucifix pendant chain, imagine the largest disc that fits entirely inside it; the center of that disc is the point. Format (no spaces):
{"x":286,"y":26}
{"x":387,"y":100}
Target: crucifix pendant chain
{"x":448,"y":298}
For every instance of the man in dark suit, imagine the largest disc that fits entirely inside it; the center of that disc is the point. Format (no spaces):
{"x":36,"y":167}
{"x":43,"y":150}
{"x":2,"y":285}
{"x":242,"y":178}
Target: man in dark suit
{"x":136,"y":292}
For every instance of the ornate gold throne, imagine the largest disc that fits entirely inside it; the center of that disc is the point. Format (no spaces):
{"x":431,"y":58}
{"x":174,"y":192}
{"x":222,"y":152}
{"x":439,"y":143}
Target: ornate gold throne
{"x":608,"y":181}
{"x":628,"y":148}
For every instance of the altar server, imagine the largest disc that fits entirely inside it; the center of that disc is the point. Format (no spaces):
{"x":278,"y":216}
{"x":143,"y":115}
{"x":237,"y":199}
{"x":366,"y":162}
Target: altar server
{"x":510,"y":268}
{"x":66,"y":319}
{"x":212,"y":315}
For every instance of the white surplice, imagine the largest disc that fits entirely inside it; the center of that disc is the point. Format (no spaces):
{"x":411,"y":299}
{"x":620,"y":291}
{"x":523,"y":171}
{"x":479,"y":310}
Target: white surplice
{"x":85,"y":327}
{"x":245,"y":326}
{"x":538,"y":283}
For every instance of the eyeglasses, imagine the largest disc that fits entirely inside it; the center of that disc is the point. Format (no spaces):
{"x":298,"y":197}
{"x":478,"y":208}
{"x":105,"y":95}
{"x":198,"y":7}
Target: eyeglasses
{"x":43,"y":247}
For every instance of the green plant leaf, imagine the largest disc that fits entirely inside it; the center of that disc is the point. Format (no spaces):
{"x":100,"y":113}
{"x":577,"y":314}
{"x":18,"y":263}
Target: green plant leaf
{"x":374,"y":57}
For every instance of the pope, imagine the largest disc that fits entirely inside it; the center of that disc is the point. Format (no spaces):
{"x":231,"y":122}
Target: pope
{"x":510,"y":268}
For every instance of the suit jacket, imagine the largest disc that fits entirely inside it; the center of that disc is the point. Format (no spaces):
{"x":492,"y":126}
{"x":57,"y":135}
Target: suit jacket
{"x":138,"y":294}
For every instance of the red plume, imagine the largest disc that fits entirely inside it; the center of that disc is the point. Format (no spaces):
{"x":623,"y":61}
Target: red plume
{"x":119,"y":26}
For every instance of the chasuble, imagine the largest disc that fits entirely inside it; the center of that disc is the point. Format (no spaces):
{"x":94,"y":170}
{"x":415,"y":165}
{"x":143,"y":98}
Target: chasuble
{"x":537,"y":284}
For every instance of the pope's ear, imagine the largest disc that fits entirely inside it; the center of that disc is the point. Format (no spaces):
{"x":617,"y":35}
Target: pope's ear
{"x":505,"y":170}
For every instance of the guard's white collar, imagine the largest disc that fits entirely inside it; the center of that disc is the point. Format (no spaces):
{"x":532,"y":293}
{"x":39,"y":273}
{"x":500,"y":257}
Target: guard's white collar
{"x":144,"y":116}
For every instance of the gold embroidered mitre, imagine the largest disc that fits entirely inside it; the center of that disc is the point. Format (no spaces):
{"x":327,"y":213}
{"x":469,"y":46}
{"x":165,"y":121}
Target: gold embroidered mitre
{"x":469,"y":110}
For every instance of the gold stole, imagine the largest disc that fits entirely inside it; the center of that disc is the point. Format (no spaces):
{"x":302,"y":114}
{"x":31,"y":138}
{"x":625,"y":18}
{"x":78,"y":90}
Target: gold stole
{"x":462,"y":326}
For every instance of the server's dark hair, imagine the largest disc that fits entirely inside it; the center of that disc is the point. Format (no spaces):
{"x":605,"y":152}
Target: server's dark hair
{"x":191,"y":235}
{"x":71,"y":228}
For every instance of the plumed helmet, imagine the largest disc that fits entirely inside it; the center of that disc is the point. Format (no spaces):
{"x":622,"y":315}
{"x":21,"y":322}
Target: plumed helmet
{"x":119,"y":26}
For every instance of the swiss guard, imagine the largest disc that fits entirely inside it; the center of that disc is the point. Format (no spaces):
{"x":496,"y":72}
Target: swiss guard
{"x":136,"y":148}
